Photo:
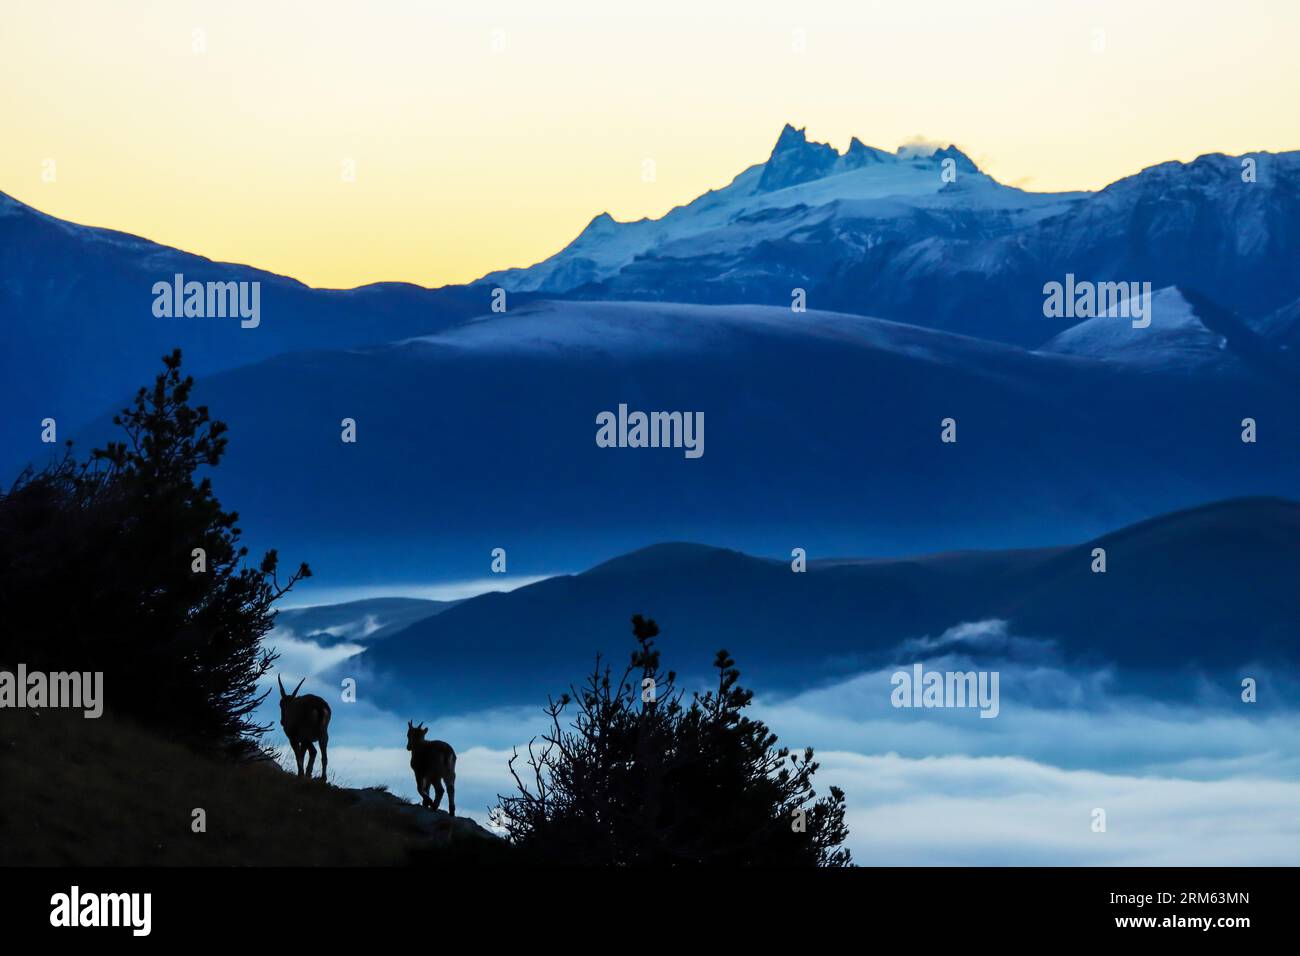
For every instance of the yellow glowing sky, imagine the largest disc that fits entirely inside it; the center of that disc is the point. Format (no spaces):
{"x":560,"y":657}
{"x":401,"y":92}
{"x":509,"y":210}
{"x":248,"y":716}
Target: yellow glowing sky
{"x":487,"y":134}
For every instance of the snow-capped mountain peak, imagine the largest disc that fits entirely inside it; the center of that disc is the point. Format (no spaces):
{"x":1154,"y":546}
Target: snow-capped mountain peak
{"x":859,"y":154}
{"x":794,"y":160}
{"x":797,"y":173}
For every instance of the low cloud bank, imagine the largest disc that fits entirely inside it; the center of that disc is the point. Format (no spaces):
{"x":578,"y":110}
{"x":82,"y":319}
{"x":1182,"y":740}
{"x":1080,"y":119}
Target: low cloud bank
{"x":1211,"y":782}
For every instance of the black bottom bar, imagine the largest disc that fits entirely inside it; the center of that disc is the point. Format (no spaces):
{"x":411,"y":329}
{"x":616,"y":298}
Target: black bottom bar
{"x":329,"y":906}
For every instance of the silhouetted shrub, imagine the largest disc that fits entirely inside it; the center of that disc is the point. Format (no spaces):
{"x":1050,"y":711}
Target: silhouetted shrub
{"x":639,"y":778}
{"x":96,"y":573}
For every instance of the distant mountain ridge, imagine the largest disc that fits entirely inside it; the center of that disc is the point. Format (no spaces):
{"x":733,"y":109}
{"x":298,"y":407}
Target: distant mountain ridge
{"x":477,"y":428}
{"x":80,"y":336}
{"x":866,"y":232}
{"x":905,"y":236}
{"x":822,"y":430}
{"x":1175,"y":588}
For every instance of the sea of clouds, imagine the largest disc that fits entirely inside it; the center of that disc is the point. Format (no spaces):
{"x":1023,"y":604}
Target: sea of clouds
{"x":1210,"y":780}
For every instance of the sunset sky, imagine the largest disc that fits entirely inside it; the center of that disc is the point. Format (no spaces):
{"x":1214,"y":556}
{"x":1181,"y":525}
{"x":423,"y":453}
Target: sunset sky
{"x":487,"y":135}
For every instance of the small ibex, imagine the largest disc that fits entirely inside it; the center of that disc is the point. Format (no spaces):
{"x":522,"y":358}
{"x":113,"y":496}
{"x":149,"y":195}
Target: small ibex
{"x":434,"y":762}
{"x":305,"y":719}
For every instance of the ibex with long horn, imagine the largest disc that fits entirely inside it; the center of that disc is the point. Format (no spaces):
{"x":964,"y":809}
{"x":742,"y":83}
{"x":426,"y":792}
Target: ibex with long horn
{"x":305,"y":720}
{"x":434,"y":762}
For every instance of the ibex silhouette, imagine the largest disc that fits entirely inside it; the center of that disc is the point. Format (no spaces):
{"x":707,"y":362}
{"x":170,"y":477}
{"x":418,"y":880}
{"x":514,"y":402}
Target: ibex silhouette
{"x":305,"y":720}
{"x":434,"y":762}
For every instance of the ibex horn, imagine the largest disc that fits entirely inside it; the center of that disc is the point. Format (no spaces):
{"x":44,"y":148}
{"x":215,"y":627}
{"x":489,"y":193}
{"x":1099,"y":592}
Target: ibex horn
{"x":281,"y":683}
{"x":298,"y":688}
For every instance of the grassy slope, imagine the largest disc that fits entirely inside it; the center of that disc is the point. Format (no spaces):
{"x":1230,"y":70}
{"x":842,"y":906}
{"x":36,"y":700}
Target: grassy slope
{"x":106,"y":792}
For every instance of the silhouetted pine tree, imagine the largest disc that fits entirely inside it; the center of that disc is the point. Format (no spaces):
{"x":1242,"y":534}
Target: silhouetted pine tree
{"x":639,"y":778}
{"x":96,"y":573}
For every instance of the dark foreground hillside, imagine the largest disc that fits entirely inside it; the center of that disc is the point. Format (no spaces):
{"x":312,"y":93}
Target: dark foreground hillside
{"x":104,"y":792}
